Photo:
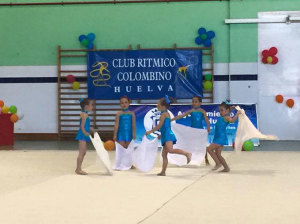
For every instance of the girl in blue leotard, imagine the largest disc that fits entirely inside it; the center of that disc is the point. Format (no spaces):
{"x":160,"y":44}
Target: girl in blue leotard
{"x":168,"y":138}
{"x":125,"y":127}
{"x":220,"y":137}
{"x":198,"y":116}
{"x":83,"y":133}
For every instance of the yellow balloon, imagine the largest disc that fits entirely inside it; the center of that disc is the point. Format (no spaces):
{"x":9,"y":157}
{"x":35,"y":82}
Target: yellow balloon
{"x":76,"y":85}
{"x":5,"y":109}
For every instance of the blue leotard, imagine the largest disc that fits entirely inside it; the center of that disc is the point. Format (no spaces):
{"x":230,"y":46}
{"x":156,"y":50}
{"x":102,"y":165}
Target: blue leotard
{"x":80,"y":135}
{"x":197,"y":119}
{"x":220,"y":136}
{"x":125,"y":127}
{"x":167,"y":133}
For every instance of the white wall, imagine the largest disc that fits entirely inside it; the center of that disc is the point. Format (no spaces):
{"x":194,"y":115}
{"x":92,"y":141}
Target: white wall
{"x":282,"y":78}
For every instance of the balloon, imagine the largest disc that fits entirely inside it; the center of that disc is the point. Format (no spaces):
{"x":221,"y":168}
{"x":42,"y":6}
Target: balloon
{"x":207,"y":42}
{"x":264,"y":60}
{"x":1,"y":103}
{"x":279,"y":98}
{"x":14,"y":118}
{"x":76,"y":85}
{"x":82,"y":37}
{"x":269,"y":59}
{"x":109,"y":145}
{"x":211,"y":34}
{"x":207,"y":85}
{"x":70,"y":78}
{"x":20,"y":115}
{"x":248,"y":145}
{"x":85,"y":42}
{"x":91,"y":36}
{"x":265,"y":53}
{"x":203,"y":36}
{"x":290,"y":103}
{"x":208,"y":77}
{"x":275,"y":60}
{"x":202,"y":30}
{"x":13,"y":109}
{"x":198,"y":40}
{"x":273,"y":51}
{"x":5,"y":109}
{"x":90,"y":46}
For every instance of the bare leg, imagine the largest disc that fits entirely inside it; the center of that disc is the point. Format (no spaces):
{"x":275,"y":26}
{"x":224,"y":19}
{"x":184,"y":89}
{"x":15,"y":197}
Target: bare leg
{"x":178,"y":151}
{"x":81,"y":154}
{"x":211,"y":150}
{"x":222,"y":160}
{"x":165,"y":162}
{"x":206,"y":160}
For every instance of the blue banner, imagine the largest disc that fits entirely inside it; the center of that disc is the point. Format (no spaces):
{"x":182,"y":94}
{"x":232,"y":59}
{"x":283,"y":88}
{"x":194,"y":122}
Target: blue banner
{"x":144,"y":74}
{"x":147,"y":117}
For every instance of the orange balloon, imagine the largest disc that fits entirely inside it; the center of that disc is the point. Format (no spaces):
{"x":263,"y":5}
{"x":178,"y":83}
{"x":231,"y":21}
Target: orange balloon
{"x":1,"y":103}
{"x":279,"y":98}
{"x":14,"y":118}
{"x":109,"y":145}
{"x":290,"y":103}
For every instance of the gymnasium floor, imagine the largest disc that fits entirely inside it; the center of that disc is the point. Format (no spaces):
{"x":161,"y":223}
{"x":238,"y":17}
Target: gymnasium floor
{"x":38,"y":185}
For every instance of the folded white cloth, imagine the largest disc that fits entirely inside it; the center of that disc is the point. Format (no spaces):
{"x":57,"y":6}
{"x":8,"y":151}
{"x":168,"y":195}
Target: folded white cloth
{"x":246,"y":130}
{"x":101,"y":152}
{"x":190,"y":139}
{"x":123,"y":160}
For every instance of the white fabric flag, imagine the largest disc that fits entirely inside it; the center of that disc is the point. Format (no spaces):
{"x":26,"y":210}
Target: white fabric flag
{"x":101,"y":152}
{"x":190,"y":139}
{"x":145,"y":153}
{"x":246,"y":130}
{"x":123,"y":160}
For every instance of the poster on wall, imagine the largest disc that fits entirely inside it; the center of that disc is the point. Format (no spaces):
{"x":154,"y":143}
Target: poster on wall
{"x":144,"y":74}
{"x":147,"y":117}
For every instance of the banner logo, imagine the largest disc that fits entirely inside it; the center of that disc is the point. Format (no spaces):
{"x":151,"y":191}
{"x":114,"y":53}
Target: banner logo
{"x":101,"y":74}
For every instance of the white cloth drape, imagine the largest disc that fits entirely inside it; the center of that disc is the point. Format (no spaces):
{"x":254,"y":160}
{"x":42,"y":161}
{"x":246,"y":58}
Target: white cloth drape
{"x":246,"y":130}
{"x":123,"y":160}
{"x":190,"y":139}
{"x":101,"y":152}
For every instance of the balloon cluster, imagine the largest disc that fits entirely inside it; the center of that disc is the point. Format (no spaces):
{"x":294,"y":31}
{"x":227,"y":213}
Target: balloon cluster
{"x":87,"y":40}
{"x":11,"y":110}
{"x":289,"y":102}
{"x":204,"y":37}
{"x":207,"y":82}
{"x":71,"y":79}
{"x":268,"y":56}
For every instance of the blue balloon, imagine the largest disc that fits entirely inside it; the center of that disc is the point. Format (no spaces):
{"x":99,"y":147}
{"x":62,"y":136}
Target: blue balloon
{"x":202,"y":31}
{"x":207,"y":43}
{"x":82,"y":37}
{"x":91,"y":36}
{"x":90,"y":46}
{"x":211,"y":34}
{"x":198,"y":40}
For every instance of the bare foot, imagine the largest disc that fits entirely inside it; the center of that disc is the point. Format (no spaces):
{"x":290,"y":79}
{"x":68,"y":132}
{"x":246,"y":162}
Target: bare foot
{"x":80,"y":172}
{"x":225,"y":170}
{"x":217,"y":166}
{"x":161,"y":174}
{"x":188,"y":158}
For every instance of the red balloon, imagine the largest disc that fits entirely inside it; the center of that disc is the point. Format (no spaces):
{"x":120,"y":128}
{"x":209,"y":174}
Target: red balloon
{"x":70,"y":78}
{"x":273,"y":51}
{"x":290,"y":103}
{"x":265,"y":53}
{"x":275,"y":60}
{"x":264,"y":60}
